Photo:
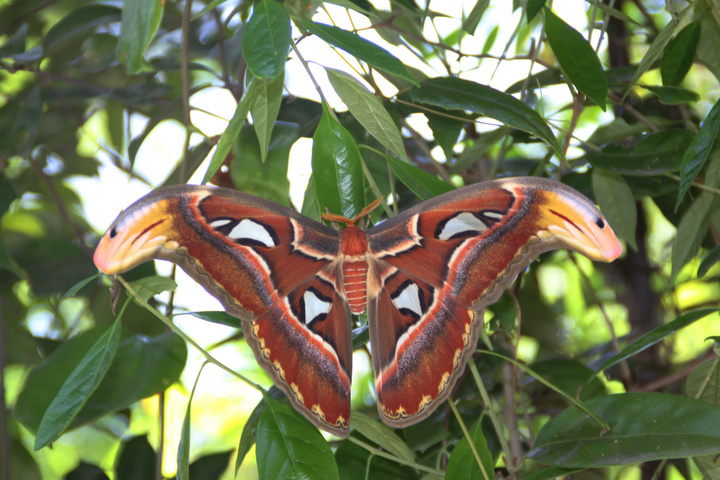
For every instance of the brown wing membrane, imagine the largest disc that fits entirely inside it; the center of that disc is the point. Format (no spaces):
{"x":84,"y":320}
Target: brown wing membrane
{"x":261,"y":261}
{"x":458,"y":252}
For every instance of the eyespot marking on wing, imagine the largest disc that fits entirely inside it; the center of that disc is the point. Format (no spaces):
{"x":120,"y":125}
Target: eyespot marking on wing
{"x":409,"y":299}
{"x":314,"y":306}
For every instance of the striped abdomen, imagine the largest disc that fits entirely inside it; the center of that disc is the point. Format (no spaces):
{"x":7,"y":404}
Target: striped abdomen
{"x":355,"y":283}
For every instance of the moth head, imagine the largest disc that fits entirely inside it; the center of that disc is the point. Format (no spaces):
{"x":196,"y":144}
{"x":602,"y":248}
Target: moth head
{"x":573,"y":221}
{"x":137,"y":235}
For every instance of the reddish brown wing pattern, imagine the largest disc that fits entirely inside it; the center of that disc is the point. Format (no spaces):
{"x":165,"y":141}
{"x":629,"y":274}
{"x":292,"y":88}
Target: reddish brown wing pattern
{"x":437,"y":266}
{"x":262,"y":261}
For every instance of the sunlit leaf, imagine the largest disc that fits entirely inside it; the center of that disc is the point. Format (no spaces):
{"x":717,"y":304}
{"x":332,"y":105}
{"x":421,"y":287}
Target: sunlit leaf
{"x":462,"y":463}
{"x":140,"y":21}
{"x":420,"y":182}
{"x":383,"y":436}
{"x":265,"y":108}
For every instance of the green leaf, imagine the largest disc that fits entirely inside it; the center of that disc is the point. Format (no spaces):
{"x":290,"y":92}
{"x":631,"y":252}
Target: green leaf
{"x":249,"y":434}
{"x":455,"y":93}
{"x":705,"y":377}
{"x":672,"y":95}
{"x":221,"y":318}
{"x":657,"y":47}
{"x":462,"y":463}
{"x":470,"y":24}
{"x":710,"y":259}
{"x":698,"y":151}
{"x":150,"y":286}
{"x":577,"y":58}
{"x":140,"y":21}
{"x":266,"y":39}
{"x":369,"y":111}
{"x":707,"y":51}
{"x":382,"y":436}
{"x":265,"y":108}
{"x":533,"y":8}
{"x":551,"y":473}
{"x":289,"y":447}
{"x":617,"y":203}
{"x":360,"y":48}
{"x":142,"y":367}
{"x":644,"y":427}
{"x":77,"y":287}
{"x":652,"y":155}
{"x":233,"y":130}
{"x":79,"y":385}
{"x":337,"y":168}
{"x":421,"y":183}
{"x":7,"y":262}
{"x":656,"y":335}
{"x":680,"y":54}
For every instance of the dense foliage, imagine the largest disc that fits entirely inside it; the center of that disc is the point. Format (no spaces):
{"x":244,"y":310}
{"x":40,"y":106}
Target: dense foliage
{"x":619,"y":101}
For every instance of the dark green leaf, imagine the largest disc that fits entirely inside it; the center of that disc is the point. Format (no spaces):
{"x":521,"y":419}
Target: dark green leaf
{"x":617,"y":203}
{"x":369,"y":111}
{"x":710,"y":259}
{"x":653,"y":154}
{"x":233,"y":130}
{"x":77,"y":287}
{"x":289,"y":447}
{"x":680,"y":54}
{"x":707,"y":51}
{"x":360,"y":48}
{"x":421,"y":183}
{"x":644,"y":427}
{"x":656,"y":335}
{"x":266,"y":39}
{"x":137,"y":460}
{"x":551,"y":473}
{"x":249,"y":434}
{"x":7,"y":263}
{"x":79,"y":385}
{"x":142,"y":367}
{"x":337,"y":168}
{"x":140,"y":21}
{"x":673,"y":95}
{"x":577,"y":58}
{"x":455,"y":93}
{"x":532,"y":9}
{"x":462,"y":463}
{"x":698,"y":151}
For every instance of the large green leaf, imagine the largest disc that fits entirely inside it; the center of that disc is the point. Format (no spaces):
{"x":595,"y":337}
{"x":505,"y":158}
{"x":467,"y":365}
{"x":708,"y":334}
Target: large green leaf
{"x":383,"y":436}
{"x":266,"y":39}
{"x":77,"y":24}
{"x":289,"y":447}
{"x":140,"y":21}
{"x":703,"y":382}
{"x":644,"y":427}
{"x":577,"y":58}
{"x":337,"y":168}
{"x":79,"y":385}
{"x":141,"y":368}
{"x":360,"y":48}
{"x":369,"y":111}
{"x":455,"y":93}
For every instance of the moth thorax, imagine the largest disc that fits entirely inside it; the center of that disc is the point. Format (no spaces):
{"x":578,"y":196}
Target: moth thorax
{"x":354,"y":246}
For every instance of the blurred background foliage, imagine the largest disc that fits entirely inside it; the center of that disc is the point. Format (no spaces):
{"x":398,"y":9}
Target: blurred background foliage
{"x":100,"y":101}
